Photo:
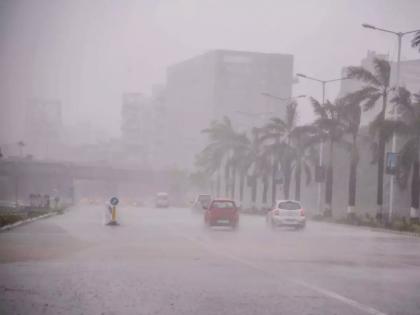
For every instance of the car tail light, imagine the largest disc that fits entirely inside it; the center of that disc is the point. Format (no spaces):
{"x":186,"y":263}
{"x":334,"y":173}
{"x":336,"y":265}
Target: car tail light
{"x":276,"y":212}
{"x":302,"y":212}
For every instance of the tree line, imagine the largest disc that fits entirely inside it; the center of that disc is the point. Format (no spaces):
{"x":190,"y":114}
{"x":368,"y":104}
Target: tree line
{"x":281,"y":151}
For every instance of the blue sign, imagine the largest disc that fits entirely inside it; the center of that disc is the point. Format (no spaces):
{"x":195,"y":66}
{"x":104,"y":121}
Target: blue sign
{"x":114,"y":201}
{"x":392,"y":161}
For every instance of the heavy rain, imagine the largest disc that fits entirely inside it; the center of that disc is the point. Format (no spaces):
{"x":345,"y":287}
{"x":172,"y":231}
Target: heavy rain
{"x":209,"y":157}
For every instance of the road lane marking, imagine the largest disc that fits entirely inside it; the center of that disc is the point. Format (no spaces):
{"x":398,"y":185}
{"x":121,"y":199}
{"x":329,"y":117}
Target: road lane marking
{"x":330,"y":294}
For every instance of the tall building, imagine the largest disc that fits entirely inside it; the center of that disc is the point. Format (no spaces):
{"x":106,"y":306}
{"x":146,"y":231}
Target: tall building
{"x":43,"y":126}
{"x":159,"y":132}
{"x":133,"y":114}
{"x":409,"y":74}
{"x":222,"y":83}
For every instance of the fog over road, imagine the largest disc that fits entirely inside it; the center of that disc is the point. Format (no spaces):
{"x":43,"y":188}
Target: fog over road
{"x":164,"y":261}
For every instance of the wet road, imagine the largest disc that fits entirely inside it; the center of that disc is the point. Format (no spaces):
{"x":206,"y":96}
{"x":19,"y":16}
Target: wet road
{"x":163,"y":261}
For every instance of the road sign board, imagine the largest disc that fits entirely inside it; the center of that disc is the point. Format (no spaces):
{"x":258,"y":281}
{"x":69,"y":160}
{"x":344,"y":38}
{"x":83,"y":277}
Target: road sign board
{"x":114,"y":201}
{"x":391,"y":163}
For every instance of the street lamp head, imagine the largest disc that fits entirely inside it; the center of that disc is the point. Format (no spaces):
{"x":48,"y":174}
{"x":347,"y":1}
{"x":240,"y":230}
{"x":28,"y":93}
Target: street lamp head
{"x":365,"y":25}
{"x":300,"y":96}
{"x":301,"y":75}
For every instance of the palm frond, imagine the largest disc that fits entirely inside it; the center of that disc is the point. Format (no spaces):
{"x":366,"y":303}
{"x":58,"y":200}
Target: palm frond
{"x":416,"y":41}
{"x":382,"y":70}
{"x":308,"y":173}
{"x":403,"y":100}
{"x":291,"y":115}
{"x":374,"y":125}
{"x":360,"y":95}
{"x":408,"y":154}
{"x":318,"y":108}
{"x":301,"y":131}
{"x":362,"y":74}
{"x":389,"y":127}
{"x":371,"y":101}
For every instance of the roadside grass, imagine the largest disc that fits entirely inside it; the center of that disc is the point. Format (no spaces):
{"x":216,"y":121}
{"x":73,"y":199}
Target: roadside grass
{"x":11,"y":216}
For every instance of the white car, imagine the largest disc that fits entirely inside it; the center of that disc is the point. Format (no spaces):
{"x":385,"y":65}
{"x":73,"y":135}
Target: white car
{"x":287,"y":213}
{"x":162,"y":200}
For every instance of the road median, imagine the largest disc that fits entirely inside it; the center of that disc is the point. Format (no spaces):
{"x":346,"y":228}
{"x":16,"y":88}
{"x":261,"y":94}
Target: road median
{"x":12,"y":218}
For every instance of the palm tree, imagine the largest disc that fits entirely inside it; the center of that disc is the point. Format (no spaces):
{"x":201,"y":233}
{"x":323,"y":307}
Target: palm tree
{"x":224,"y":149}
{"x":214,"y":154}
{"x":409,"y":126}
{"x":210,"y":160}
{"x":278,"y":132}
{"x":377,"y":87}
{"x":302,"y":140}
{"x":250,"y":160}
{"x":416,"y":40}
{"x":331,"y":128}
{"x":265,"y":170}
{"x":237,"y":162}
{"x":351,"y":112}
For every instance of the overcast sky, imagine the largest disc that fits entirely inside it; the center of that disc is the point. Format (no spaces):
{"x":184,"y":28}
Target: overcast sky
{"x":87,"y":53}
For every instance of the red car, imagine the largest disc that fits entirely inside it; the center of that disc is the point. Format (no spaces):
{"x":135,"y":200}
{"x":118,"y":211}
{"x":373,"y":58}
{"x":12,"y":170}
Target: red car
{"x":222,"y":212}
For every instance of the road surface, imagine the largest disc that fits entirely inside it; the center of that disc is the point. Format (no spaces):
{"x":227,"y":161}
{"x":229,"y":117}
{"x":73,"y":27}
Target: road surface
{"x":163,"y":261}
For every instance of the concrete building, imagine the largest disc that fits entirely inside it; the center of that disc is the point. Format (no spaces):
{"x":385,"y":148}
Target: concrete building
{"x":43,"y":126}
{"x":159,"y":132}
{"x":222,"y":83}
{"x":133,"y":130}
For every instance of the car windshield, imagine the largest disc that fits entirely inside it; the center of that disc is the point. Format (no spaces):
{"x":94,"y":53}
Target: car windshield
{"x":223,"y":205}
{"x":289,"y":205}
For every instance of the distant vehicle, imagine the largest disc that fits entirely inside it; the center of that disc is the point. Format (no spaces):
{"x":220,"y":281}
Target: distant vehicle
{"x":162,"y":200}
{"x":201,"y":202}
{"x":222,"y":212}
{"x":287,"y":213}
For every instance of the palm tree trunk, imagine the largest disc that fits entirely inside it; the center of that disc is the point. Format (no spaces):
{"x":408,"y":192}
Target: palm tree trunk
{"x":218,"y":180}
{"x":329,"y":182}
{"x":227,"y":170}
{"x":265,"y":190}
{"x":286,"y":184}
{"x":298,"y":177}
{"x":415,"y":191}
{"x":380,"y":178}
{"x":232,"y":192}
{"x":381,"y":164}
{"x":352,"y":178}
{"x":241,"y":186}
{"x":274,"y":182}
{"x":254,"y":189}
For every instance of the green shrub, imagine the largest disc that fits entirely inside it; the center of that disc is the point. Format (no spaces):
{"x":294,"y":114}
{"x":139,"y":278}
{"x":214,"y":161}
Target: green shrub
{"x":415,"y":228}
{"x":10,"y":218}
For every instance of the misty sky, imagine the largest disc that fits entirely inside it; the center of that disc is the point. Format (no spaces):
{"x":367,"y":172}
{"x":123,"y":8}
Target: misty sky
{"x":87,"y":53}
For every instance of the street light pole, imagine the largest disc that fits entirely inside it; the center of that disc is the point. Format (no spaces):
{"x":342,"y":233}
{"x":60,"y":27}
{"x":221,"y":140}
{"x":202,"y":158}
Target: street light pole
{"x":321,"y":145}
{"x":394,"y":111}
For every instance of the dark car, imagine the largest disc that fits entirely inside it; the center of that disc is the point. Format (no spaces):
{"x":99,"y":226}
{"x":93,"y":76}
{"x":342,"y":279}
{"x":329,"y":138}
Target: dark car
{"x":201,"y":202}
{"x":222,"y":212}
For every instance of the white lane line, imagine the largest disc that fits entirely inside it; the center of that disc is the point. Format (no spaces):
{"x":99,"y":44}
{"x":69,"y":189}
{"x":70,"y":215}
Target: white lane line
{"x":330,"y":294}
{"x":365,"y":308}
